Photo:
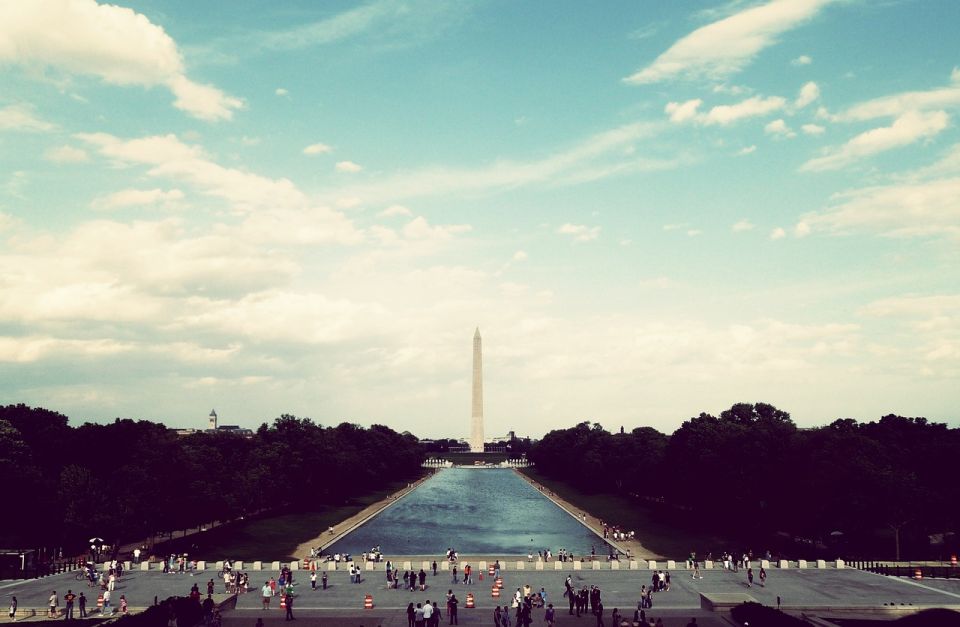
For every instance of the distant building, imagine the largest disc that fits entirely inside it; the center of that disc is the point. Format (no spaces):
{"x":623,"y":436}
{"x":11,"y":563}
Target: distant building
{"x":213,"y":427}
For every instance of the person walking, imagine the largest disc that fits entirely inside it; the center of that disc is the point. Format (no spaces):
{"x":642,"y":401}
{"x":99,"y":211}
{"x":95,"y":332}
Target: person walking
{"x":13,"y":608}
{"x":763,"y":577}
{"x":434,"y":568}
{"x":749,"y":577}
{"x":52,"y":605}
{"x":106,"y":602}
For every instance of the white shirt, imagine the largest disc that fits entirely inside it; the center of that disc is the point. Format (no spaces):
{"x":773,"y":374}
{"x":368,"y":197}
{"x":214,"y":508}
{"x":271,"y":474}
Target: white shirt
{"x":427,"y":611}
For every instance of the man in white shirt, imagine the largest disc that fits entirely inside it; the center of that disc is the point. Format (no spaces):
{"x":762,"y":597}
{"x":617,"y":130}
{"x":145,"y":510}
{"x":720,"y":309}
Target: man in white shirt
{"x":427,"y":613}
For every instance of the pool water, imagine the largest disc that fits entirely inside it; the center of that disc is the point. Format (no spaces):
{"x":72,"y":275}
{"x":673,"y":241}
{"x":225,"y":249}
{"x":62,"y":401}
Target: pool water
{"x":475,"y":512}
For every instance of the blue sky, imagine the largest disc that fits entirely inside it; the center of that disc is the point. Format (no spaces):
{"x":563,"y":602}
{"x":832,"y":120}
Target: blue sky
{"x":651,"y":209}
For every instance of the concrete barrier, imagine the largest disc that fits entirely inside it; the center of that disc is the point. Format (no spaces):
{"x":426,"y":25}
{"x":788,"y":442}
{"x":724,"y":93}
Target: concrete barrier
{"x":126,"y":566}
{"x":840,"y":564}
{"x":406,"y":566}
{"x":237,"y":566}
{"x":520,"y":565}
{"x":801,"y":563}
{"x":445,"y":565}
{"x":671,"y":565}
{"x":295,"y":565}
{"x":558,"y":565}
{"x":482,"y":566}
{"x":276,"y":565}
{"x":539,"y":565}
{"x":821,"y":563}
{"x":258,"y":566}
{"x":577,"y":565}
{"x":331,"y":565}
{"x":765,"y":564}
{"x":595,"y":565}
{"x":144,"y":565}
{"x":220,"y":565}
{"x":652,"y":565}
{"x":371,"y":566}
{"x":614,"y":565}
{"x":708,"y":564}
{"x":425,"y":565}
{"x":783,"y":564}
{"x":633,"y":565}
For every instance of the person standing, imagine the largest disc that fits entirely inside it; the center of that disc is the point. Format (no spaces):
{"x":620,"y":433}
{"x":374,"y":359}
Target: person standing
{"x":749,"y":577}
{"x":422,"y":576}
{"x":52,"y":603}
{"x":411,"y":615}
{"x":418,"y":616}
{"x":68,"y":601}
{"x":13,"y":608}
{"x":82,"y":604}
{"x":313,"y":580}
{"x":505,"y":617}
{"x":496,"y":616}
{"x":599,"y":613}
{"x":452,"y":603}
{"x":427,"y":612}
{"x":266,"y":593}
{"x":136,"y":555}
{"x":454,"y":580}
{"x":106,"y":602}
{"x":289,"y":599}
{"x":763,"y":577}
{"x":434,"y":568}
{"x":548,"y":616}
{"x":123,"y":604}
{"x":323,"y":581}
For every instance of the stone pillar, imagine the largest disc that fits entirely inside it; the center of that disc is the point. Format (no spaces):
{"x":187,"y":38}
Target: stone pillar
{"x":840,"y":564}
{"x":520,"y":565}
{"x":558,"y":565}
{"x":596,"y":565}
{"x":578,"y":565}
{"x":784,"y":564}
{"x":633,"y":564}
{"x":539,"y":565}
{"x":801,"y":563}
{"x":258,"y":566}
{"x":144,"y":565}
{"x":764,"y":564}
{"x":708,"y":564}
{"x":652,"y":565}
{"x":821,"y":563}
{"x":614,"y":565}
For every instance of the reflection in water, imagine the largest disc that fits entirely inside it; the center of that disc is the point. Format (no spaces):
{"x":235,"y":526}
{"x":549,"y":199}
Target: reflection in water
{"x":486,"y":512}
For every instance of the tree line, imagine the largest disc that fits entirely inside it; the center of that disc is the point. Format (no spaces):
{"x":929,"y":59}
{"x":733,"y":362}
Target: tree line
{"x":130,"y":479}
{"x":881,"y":489}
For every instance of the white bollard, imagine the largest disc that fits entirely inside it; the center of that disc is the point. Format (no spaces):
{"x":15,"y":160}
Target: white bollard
{"x":652,"y":565}
{"x":821,"y":563}
{"x":840,"y":564}
{"x":258,"y":566}
{"x":633,"y":565}
{"x":558,"y":565}
{"x":276,"y":565}
{"x":578,"y":565}
{"x":671,"y":565}
{"x":801,"y":563}
{"x":708,"y":564}
{"x":784,"y":564}
{"x":144,"y":565}
{"x":539,"y":565}
{"x":614,"y":565}
{"x":520,"y":565}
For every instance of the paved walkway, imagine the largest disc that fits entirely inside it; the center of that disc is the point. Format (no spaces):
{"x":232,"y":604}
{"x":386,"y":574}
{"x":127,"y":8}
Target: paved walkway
{"x":800,"y":590}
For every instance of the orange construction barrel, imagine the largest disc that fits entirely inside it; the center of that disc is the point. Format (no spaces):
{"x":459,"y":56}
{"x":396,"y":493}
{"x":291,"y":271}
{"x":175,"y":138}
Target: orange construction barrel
{"x":368,"y":602}
{"x":500,"y":582}
{"x":953,"y":560}
{"x":918,"y":574}
{"x":470,"y":605}
{"x":495,"y":592}
{"x":100,"y":601}
{"x":283,"y":601}
{"x":491,"y":571}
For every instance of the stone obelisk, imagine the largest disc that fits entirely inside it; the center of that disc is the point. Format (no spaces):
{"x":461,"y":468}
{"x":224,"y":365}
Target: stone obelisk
{"x":476,"y":417}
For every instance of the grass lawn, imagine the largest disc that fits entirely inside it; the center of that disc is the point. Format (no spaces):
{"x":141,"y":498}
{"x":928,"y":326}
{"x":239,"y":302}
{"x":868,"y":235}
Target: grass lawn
{"x":666,"y":538}
{"x":268,"y":537}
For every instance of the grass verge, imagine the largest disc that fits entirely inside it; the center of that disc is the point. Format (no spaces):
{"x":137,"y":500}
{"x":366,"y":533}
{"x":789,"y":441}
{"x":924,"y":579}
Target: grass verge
{"x":666,"y":537}
{"x":271,"y":536}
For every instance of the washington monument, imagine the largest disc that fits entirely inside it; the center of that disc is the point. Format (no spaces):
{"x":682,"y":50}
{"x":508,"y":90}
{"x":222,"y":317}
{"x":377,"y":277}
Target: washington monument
{"x":476,"y":419}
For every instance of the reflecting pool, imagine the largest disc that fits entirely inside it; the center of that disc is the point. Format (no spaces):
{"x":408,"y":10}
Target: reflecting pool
{"x":476,"y":512}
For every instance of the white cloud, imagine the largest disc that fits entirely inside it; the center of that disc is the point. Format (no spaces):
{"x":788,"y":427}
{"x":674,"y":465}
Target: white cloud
{"x":580,"y":232}
{"x":724,"y":114}
{"x":681,"y":112}
{"x":138,"y":198}
{"x":779,"y":128}
{"x":280,"y":91}
{"x":899,"y":104}
{"x":810,"y":92}
{"x":519,"y":256}
{"x":802,"y":60}
{"x":813,"y":129}
{"x":751,"y":107}
{"x":348,"y":166}
{"x":694,"y":232}
{"x":66,"y":154}
{"x":777,"y":233}
{"x":20,"y":117}
{"x":116,"y":44}
{"x":728,"y":45}
{"x":746,"y":150}
{"x":395,"y":210}
{"x":317,"y":149}
{"x":907,"y":129}
{"x":742,"y":225}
